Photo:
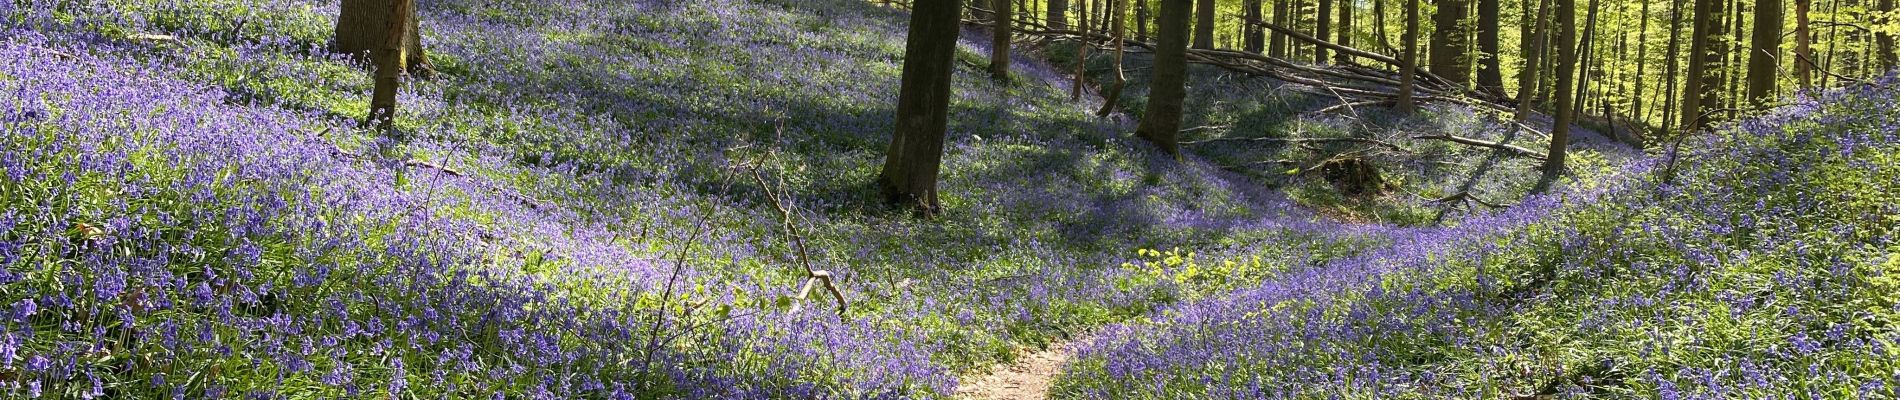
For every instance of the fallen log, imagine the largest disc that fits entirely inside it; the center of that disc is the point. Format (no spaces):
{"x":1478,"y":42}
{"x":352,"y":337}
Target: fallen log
{"x":1485,"y":143}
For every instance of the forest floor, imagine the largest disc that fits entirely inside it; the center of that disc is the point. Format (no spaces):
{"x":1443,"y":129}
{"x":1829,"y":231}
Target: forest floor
{"x":1029,"y":377}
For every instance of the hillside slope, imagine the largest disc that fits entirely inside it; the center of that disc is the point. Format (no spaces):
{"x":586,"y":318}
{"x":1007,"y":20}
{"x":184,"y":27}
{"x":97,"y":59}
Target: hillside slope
{"x":579,"y":214}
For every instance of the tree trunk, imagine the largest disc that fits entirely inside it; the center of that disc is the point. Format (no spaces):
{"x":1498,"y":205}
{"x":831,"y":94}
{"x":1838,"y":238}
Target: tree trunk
{"x":1161,"y":123}
{"x":1705,"y":58}
{"x":391,"y":60}
{"x":910,"y":170}
{"x":1883,"y":39}
{"x":1490,"y":69}
{"x":1803,"y":44}
{"x":1447,"y":54}
{"x":1566,"y":67}
{"x":1408,"y":70}
{"x":1534,"y":48}
{"x":1282,"y":16}
{"x":1117,"y":17}
{"x":1058,"y":14}
{"x":1766,"y":52}
{"x":1587,"y":53}
{"x":1345,"y":29}
{"x":1669,"y":69}
{"x":1203,"y":24}
{"x":1081,"y":55}
{"x":999,"y":47}
{"x":1642,"y":61}
{"x":1378,"y":22}
{"x":1255,"y":39}
{"x":1321,"y":29}
{"x":1141,"y":20}
{"x":362,"y":27}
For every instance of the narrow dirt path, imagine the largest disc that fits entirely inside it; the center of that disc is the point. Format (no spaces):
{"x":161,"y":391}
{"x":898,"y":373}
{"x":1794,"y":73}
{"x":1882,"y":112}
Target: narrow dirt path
{"x":1028,"y":378}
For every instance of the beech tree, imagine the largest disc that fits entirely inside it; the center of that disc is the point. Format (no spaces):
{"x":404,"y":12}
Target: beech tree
{"x":391,"y":57}
{"x":1161,"y":123}
{"x":909,"y":176}
{"x":1117,"y":16}
{"x":1448,"y":56}
{"x":1566,"y":68}
{"x":1203,"y":24}
{"x":999,"y":46}
{"x":1408,"y":61}
{"x":362,"y":27}
{"x":1765,"y":51}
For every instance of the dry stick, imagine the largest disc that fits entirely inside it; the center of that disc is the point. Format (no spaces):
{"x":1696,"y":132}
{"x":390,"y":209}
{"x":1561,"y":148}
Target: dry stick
{"x":1376,"y":142}
{"x":804,"y":258}
{"x":666,"y":296}
{"x":1482,"y":143}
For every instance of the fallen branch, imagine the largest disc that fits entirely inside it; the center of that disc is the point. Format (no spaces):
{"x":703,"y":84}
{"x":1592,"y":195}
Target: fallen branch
{"x":1483,"y":143}
{"x":1375,"y":142}
{"x":1467,"y":196}
{"x":813,"y":276}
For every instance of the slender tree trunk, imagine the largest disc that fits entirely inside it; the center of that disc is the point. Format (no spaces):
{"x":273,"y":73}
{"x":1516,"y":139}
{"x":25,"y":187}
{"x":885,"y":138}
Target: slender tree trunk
{"x":910,"y":170}
{"x":1737,"y":56}
{"x":1378,"y":22}
{"x":1081,"y":56}
{"x":1670,"y":68}
{"x":1528,"y":78}
{"x":1642,"y":61}
{"x":1141,"y":20}
{"x":1408,"y":68}
{"x":1448,"y":59}
{"x":391,"y":59}
{"x":1256,"y":39}
{"x":1161,"y":123}
{"x":1282,"y":17}
{"x":999,"y":48}
{"x":1763,"y":59}
{"x":1566,"y":67}
{"x":1803,"y":44}
{"x":1203,"y":24}
{"x":1345,"y":29}
{"x":1322,"y":29}
{"x":1490,"y":67}
{"x":1588,"y":52}
{"x":1117,"y":11}
{"x":362,"y":27}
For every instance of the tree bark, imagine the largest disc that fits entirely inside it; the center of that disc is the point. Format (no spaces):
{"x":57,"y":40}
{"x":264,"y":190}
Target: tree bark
{"x":1490,"y":68}
{"x":1448,"y":59}
{"x":362,"y":27}
{"x":1670,"y":68}
{"x":999,"y":47}
{"x":1566,"y":67}
{"x":1058,"y":14}
{"x":390,"y":60}
{"x":1141,"y":20}
{"x":1378,"y":22}
{"x":1081,"y":55}
{"x":1642,"y":61}
{"x":1345,"y":29}
{"x":1408,"y":68}
{"x":1766,"y":52}
{"x":1255,"y":39}
{"x":1161,"y":123}
{"x":1203,"y":24}
{"x":1704,"y":84}
{"x":1803,"y":44}
{"x":1882,"y":38}
{"x":1117,"y":14}
{"x":1587,"y":57}
{"x":1322,"y":29}
{"x":1528,"y":78}
{"x":1281,"y":16}
{"x":911,"y":165}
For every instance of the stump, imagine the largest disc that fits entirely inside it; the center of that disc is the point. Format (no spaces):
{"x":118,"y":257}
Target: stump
{"x":1353,"y":176}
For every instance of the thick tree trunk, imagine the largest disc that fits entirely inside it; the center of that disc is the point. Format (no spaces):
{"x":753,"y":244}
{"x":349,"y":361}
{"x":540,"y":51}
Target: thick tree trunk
{"x":1058,"y":14}
{"x":390,"y":58}
{"x":1203,"y":24}
{"x":1161,"y":123}
{"x":1766,"y":52}
{"x":1408,"y":68}
{"x":362,"y":27}
{"x":1705,"y":57}
{"x":910,"y":169}
{"x":1566,"y":67}
{"x":1448,"y":59}
{"x":1345,"y":29}
{"x":1490,"y":67}
{"x":1883,"y":39}
{"x":1117,"y":16}
{"x":999,"y":46}
{"x":1534,"y":48}
{"x":1322,"y":29}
